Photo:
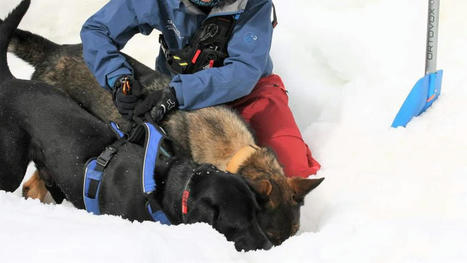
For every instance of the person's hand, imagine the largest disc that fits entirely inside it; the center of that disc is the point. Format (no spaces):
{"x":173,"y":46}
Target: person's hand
{"x":158,"y":103}
{"x":126,"y":93}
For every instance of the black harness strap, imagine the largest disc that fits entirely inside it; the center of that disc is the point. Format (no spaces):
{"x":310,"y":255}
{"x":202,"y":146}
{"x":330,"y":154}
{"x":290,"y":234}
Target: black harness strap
{"x":104,"y":158}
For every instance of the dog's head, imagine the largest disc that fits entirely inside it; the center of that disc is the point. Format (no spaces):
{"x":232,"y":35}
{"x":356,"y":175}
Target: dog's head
{"x":279,"y":197}
{"x":226,"y":202}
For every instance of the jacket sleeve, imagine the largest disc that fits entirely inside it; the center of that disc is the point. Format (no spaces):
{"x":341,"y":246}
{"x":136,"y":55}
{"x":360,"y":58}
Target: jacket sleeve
{"x":248,"y":51}
{"x":107,"y":32}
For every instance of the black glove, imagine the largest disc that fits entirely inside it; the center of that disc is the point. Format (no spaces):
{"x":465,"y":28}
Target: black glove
{"x":158,"y":103}
{"x":126,"y":93}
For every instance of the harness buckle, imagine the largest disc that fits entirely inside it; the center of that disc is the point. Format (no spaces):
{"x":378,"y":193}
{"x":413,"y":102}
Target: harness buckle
{"x":105,"y":157}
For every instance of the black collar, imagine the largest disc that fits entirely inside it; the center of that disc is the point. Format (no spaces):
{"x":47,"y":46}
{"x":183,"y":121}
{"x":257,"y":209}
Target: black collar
{"x":186,"y":196}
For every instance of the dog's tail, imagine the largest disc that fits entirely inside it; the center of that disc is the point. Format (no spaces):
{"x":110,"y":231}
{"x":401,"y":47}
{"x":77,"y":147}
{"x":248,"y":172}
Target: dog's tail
{"x":30,"y":47}
{"x":7,"y":28}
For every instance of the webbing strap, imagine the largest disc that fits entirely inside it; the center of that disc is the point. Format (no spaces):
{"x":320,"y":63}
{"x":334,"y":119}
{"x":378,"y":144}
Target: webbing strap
{"x":152,"y":144}
{"x":91,"y":187}
{"x":156,"y":213}
{"x":116,"y":130}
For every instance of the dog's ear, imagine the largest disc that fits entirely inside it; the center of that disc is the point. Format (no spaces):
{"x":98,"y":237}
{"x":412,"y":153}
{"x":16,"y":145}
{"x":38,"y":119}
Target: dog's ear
{"x":302,"y":186}
{"x":262,"y":188}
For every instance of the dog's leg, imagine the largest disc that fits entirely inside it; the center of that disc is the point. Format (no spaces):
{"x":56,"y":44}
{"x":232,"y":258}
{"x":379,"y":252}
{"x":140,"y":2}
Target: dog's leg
{"x":14,"y":157}
{"x":34,"y":188}
{"x":57,"y":195}
{"x":37,"y":188}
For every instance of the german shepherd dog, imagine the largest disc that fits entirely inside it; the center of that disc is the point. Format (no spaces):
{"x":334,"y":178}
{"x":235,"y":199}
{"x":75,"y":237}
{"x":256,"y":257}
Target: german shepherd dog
{"x":214,"y":135}
{"x":42,"y":124}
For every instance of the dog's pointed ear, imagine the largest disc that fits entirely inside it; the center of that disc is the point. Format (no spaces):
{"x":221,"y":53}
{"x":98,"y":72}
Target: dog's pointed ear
{"x":262,"y":188}
{"x":302,"y":186}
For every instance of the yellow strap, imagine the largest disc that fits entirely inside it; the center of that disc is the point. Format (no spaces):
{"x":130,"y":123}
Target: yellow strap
{"x":240,"y":157}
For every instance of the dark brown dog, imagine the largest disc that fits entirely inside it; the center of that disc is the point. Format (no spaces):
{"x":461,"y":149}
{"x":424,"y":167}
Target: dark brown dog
{"x":212,"y":135}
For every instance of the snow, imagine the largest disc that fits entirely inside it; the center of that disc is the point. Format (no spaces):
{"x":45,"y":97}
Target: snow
{"x":390,"y":195}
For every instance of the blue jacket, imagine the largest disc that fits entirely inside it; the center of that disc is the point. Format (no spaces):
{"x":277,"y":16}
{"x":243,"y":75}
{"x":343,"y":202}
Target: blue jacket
{"x":107,"y":32}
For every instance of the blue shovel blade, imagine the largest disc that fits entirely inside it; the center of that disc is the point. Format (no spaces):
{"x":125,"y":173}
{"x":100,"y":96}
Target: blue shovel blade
{"x":422,"y":95}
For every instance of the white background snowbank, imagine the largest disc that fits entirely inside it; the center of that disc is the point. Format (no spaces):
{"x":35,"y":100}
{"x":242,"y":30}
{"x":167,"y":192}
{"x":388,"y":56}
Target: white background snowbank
{"x":390,"y":195}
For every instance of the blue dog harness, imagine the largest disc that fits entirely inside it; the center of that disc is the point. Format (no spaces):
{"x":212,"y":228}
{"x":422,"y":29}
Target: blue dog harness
{"x":95,"y":170}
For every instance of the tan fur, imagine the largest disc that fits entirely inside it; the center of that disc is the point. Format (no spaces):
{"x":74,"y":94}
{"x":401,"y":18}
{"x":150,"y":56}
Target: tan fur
{"x":262,"y":187}
{"x":264,"y":165}
{"x":240,"y":157}
{"x":215,"y":134}
{"x":34,"y":188}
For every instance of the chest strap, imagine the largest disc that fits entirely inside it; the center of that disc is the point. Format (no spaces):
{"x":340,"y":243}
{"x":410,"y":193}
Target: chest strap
{"x":152,"y":144}
{"x":93,"y":176}
{"x":95,"y":170}
{"x":91,"y":187}
{"x":207,"y":47}
{"x":153,"y":141}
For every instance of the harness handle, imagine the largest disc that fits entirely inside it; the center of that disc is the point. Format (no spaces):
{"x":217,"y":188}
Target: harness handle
{"x":136,"y":132}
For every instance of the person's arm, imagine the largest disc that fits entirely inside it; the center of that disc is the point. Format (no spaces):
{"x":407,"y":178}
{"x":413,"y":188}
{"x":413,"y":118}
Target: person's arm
{"x":106,"y":33}
{"x":248,"y":57}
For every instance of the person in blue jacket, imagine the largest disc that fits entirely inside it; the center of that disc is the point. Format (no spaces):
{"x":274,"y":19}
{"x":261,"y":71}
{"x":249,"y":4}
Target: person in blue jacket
{"x":242,"y":78}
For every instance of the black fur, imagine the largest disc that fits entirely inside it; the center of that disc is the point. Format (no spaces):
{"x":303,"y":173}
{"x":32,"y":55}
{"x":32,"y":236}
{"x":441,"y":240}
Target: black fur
{"x":63,"y":66}
{"x":40,"y":124}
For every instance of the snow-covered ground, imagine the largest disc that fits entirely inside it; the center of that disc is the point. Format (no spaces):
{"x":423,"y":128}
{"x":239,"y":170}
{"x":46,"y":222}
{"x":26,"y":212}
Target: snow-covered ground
{"x":390,"y":195}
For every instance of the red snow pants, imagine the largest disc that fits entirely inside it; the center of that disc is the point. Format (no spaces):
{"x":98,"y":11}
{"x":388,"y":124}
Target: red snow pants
{"x":267,"y":112}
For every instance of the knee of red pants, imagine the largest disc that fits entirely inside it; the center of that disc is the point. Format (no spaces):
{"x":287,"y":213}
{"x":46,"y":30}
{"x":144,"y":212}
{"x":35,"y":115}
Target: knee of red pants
{"x":294,"y":155}
{"x":266,"y":110}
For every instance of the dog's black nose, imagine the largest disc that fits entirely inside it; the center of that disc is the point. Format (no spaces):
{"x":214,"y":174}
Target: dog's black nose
{"x":247,"y":245}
